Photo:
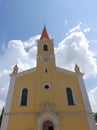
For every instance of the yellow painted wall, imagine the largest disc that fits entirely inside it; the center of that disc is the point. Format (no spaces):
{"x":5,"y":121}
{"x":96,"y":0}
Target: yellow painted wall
{"x":29,"y":122}
{"x":39,"y":95}
{"x":73,"y":122}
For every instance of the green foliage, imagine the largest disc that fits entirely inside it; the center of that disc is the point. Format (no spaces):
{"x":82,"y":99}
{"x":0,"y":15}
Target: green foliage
{"x":1,"y":116}
{"x":95,"y":116}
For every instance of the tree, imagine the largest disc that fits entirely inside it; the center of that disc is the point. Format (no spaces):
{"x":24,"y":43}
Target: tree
{"x":1,"y":116}
{"x":95,"y":116}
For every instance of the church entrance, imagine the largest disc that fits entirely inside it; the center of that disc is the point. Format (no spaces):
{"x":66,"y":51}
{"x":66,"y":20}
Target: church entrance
{"x":48,"y":125}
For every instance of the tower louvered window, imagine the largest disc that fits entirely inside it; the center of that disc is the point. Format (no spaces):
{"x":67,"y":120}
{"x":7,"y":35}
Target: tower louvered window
{"x":24,"y":97}
{"x":45,"y":47}
{"x":70,"y":99}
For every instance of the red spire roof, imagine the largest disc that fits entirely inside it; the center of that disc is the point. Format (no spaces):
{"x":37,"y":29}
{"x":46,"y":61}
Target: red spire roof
{"x":44,"y":34}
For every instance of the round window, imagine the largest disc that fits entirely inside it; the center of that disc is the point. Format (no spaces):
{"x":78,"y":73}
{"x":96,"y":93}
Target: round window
{"x":46,"y":86}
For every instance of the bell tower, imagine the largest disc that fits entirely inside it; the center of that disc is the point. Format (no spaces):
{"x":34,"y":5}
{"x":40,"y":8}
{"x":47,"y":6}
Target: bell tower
{"x":45,"y":54}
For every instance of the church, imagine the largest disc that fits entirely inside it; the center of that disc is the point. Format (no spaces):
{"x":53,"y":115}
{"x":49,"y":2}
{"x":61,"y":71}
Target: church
{"x":47,"y":97}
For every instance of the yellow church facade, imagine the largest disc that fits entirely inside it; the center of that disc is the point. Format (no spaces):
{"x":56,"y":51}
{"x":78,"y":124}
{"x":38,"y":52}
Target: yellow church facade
{"x":47,"y":97}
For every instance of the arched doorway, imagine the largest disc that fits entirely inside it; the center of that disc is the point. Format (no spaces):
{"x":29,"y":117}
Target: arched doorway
{"x":48,"y":125}
{"x":48,"y":117}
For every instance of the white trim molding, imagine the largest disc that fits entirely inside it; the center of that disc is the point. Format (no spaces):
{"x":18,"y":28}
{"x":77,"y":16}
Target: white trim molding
{"x":48,"y":115}
{"x":7,"y":108}
{"x":86,"y":103}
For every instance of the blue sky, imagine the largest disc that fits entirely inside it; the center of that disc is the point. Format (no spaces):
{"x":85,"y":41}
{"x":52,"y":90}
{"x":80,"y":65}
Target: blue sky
{"x":21,"y":21}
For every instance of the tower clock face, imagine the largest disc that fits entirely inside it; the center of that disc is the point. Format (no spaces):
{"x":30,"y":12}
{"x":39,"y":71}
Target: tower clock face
{"x":45,"y":59}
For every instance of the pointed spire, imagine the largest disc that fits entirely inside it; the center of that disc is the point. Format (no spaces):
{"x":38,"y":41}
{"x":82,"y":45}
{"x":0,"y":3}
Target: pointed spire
{"x":44,"y":33}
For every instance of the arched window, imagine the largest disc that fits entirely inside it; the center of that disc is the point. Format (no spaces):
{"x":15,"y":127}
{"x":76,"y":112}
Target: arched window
{"x":70,"y":99}
{"x":46,"y":70}
{"x":45,"y":47}
{"x":24,"y":96}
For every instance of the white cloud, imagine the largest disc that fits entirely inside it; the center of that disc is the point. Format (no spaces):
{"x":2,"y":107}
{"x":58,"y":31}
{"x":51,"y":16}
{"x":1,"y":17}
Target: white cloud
{"x":93,"y":99}
{"x":76,"y":28}
{"x":2,"y":103}
{"x":73,"y":49}
{"x":24,"y":53}
{"x":94,"y":46}
{"x":31,"y":42}
{"x":86,"y":30}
